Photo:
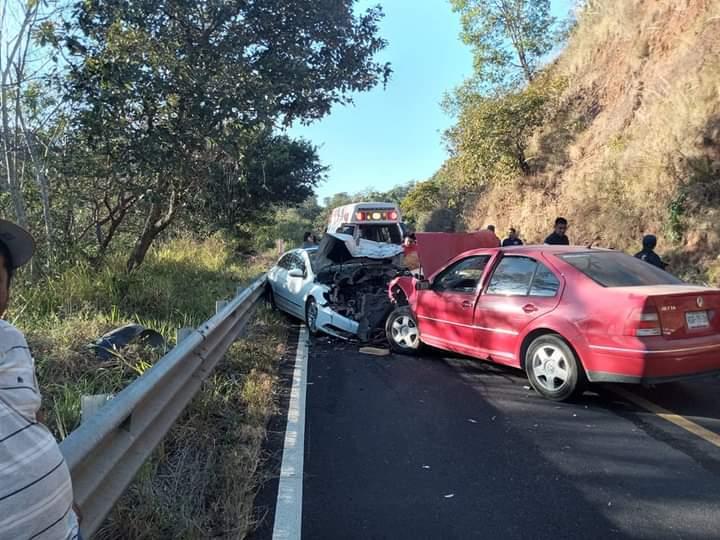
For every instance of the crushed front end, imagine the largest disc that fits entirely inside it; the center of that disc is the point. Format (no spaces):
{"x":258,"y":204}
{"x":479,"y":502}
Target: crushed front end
{"x":358,"y":291}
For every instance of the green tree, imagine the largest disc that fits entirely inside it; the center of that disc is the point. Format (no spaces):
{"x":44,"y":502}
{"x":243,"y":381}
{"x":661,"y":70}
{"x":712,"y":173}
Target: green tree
{"x":267,"y":171}
{"x":169,"y":90}
{"x":509,"y":38}
{"x":491,"y":137}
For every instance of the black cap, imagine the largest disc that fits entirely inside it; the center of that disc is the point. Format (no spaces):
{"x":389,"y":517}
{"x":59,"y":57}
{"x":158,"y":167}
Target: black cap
{"x":18,"y":241}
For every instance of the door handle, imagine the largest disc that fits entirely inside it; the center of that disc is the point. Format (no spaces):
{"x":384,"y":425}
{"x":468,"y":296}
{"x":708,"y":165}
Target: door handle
{"x":466,"y":304}
{"x":529,"y":308}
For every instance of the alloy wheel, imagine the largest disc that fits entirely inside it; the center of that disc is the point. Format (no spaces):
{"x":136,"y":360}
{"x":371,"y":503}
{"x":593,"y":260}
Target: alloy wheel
{"x":405,"y":333}
{"x":550,"y":367}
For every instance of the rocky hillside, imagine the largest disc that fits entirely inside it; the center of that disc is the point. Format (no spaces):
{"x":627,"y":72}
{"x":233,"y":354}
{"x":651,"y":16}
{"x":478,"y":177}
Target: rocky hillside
{"x":634,"y":146}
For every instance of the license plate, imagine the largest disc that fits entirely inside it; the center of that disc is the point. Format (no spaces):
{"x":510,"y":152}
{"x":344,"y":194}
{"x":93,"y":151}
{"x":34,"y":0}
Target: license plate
{"x":697,"y":319}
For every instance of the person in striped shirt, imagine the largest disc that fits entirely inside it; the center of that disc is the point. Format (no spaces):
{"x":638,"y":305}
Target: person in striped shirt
{"x":36,"y":497}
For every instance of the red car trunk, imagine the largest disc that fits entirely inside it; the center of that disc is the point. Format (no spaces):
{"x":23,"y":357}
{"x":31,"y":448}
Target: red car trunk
{"x":682,"y":313}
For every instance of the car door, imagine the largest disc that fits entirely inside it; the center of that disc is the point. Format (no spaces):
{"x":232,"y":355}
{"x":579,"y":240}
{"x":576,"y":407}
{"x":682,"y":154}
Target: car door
{"x":519,"y":290}
{"x":294,"y":285}
{"x":278,"y":277}
{"x":445,"y":311}
{"x":302,"y":289}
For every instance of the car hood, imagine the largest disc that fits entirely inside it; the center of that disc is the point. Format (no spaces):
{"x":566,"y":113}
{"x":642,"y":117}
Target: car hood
{"x":336,"y":248}
{"x":437,"y":249}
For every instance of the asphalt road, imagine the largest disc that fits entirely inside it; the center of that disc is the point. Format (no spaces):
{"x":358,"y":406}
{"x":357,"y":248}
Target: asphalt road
{"x":446,"y":447}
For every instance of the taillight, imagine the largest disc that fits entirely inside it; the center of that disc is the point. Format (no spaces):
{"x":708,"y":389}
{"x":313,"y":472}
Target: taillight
{"x":643,"y":322}
{"x":393,"y":215}
{"x":359,"y":216}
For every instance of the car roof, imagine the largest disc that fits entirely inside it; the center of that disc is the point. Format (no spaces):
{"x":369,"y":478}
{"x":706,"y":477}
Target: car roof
{"x":545,"y":248}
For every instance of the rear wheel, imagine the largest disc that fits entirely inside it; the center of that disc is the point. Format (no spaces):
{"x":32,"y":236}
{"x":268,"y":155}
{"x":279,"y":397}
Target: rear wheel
{"x":553,"y":369}
{"x":402,"y":331}
{"x":311,"y":315}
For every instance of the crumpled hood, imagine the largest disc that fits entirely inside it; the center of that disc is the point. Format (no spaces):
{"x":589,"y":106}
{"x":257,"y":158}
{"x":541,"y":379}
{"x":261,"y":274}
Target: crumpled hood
{"x":336,"y":248}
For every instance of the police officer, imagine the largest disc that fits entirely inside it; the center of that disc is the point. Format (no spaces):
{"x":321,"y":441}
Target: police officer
{"x":513,"y":239}
{"x":648,"y":252}
{"x":559,"y":236}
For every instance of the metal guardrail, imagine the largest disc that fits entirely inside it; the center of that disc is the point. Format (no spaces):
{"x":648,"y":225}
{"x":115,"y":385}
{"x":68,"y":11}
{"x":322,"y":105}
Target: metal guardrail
{"x":107,"y":450}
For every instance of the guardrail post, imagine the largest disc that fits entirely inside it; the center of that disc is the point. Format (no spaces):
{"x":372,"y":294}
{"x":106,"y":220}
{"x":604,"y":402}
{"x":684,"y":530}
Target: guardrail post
{"x":182,"y":333}
{"x":220,"y":305}
{"x":239,"y":291}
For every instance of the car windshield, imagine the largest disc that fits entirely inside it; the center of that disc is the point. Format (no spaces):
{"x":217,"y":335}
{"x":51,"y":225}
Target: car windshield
{"x":613,"y":269}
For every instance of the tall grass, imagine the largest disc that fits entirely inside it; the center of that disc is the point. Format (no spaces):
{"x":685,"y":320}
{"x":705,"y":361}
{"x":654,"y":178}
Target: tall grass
{"x":201,"y":481}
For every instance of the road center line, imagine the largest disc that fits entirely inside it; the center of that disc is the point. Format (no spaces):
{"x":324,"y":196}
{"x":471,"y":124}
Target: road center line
{"x":688,"y":425}
{"x":288,"y":509}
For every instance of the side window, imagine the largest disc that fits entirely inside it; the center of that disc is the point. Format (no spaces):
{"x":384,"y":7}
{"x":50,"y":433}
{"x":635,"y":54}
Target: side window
{"x":300,"y":263}
{"x":544,"y":283}
{"x":463,"y":277}
{"x":284,"y":261}
{"x":512,"y":277}
{"x":296,"y":262}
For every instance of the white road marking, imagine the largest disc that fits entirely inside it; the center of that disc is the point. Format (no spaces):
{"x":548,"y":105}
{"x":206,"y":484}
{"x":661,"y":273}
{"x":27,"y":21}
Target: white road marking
{"x":288,"y":509}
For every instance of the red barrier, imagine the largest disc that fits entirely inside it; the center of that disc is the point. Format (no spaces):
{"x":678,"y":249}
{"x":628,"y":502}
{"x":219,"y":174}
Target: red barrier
{"x":436,"y":249}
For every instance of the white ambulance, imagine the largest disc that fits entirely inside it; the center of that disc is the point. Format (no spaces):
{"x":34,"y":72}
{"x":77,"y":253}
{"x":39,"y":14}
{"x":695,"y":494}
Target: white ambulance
{"x":375,"y":221}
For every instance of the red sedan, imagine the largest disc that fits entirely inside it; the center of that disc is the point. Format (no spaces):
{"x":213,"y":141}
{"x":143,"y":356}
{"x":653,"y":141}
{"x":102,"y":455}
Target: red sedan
{"x":566,"y":315}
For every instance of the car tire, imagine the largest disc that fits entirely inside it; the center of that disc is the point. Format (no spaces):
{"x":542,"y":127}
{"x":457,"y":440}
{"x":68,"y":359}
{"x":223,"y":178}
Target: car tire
{"x":311,"y":312}
{"x":402,"y":332}
{"x":553,"y":369}
{"x":270,"y":298}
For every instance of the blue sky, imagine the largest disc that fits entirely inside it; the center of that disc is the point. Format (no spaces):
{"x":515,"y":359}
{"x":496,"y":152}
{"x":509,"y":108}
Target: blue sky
{"x":392,"y":136}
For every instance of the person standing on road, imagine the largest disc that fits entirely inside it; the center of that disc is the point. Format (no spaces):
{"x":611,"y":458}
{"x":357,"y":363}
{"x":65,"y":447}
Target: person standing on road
{"x":36,"y":496}
{"x":559,"y":236}
{"x":513,"y":239}
{"x":648,"y":252}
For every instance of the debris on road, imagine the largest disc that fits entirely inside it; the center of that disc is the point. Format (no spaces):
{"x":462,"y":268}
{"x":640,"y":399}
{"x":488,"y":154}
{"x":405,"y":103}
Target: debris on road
{"x":426,"y":466}
{"x":472,"y":421}
{"x":526,"y":387}
{"x":374,"y":351}
{"x":449,"y":495}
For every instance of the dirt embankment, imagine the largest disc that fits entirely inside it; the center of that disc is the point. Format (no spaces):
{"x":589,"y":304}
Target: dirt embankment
{"x":634,"y":146}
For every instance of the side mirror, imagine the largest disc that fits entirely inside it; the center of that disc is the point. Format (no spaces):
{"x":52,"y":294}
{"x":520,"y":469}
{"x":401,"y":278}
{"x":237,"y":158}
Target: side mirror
{"x":296,"y":273}
{"x":422,"y":285}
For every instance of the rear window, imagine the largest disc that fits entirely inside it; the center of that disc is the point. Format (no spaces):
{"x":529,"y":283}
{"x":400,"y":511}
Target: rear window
{"x":389,"y":234}
{"x":613,"y":269}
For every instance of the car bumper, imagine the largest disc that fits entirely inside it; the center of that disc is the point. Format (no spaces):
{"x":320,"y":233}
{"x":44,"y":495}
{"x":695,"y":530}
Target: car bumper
{"x":667,"y":361}
{"x":334,"y":324}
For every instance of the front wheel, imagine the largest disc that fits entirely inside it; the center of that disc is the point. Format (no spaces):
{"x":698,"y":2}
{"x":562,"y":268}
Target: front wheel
{"x":553,"y":369}
{"x":402,"y":331}
{"x":311,"y":316}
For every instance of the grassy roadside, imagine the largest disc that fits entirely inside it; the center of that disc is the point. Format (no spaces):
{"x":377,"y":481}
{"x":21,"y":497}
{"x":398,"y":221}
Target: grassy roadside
{"x":201,"y":481}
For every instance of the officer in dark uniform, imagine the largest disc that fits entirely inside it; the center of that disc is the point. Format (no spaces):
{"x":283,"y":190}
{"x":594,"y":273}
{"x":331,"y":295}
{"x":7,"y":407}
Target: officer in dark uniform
{"x":558,"y":236}
{"x":512,"y":239}
{"x":648,"y":254}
